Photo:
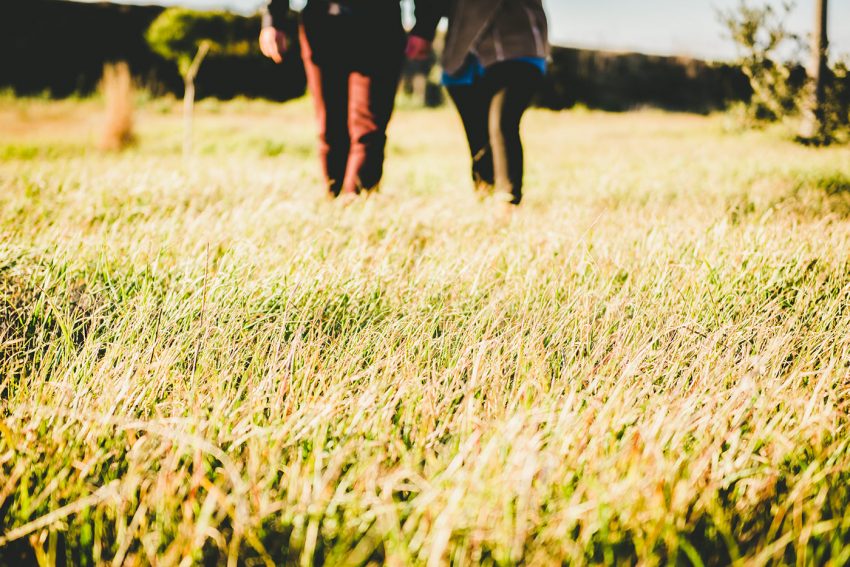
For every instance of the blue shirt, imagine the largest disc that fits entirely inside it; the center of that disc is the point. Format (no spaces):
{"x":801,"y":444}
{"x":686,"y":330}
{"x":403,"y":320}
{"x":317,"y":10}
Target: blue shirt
{"x":473,"y":70}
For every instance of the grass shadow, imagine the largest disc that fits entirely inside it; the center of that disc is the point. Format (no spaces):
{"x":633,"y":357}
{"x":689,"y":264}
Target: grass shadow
{"x":817,"y":194}
{"x":834,"y":183}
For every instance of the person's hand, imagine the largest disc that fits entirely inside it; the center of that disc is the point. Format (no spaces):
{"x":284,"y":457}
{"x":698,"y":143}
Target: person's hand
{"x":418,"y":49}
{"x":273,"y":43}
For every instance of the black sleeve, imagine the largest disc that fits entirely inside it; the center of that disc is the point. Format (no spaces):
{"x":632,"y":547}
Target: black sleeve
{"x":428,"y":16}
{"x":276,"y":13}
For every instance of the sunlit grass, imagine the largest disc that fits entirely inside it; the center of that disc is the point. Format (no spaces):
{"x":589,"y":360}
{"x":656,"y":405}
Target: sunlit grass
{"x":206,"y":361}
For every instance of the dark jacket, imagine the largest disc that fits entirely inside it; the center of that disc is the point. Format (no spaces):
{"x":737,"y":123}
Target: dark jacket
{"x":493,"y":30}
{"x":279,"y":11}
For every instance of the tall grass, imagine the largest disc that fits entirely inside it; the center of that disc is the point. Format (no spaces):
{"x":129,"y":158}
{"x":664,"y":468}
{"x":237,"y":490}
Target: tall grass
{"x":118,"y":92}
{"x":650,"y":363}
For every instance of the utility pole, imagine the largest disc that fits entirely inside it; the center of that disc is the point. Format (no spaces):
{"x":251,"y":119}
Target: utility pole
{"x":814,"y":126}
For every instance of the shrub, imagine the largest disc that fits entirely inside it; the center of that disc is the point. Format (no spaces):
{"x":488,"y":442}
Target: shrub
{"x":118,"y":91}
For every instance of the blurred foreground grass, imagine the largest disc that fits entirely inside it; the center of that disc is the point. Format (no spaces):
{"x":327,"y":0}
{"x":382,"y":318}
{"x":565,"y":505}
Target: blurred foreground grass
{"x":205,"y":362}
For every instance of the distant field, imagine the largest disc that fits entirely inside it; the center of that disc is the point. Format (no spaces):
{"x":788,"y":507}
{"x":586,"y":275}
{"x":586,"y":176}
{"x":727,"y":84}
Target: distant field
{"x":207,"y":363}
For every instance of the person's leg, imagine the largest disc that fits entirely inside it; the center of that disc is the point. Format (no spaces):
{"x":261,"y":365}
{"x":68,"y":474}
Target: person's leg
{"x":473,"y":105}
{"x":372,"y":92}
{"x":514,"y":84}
{"x":328,"y":85}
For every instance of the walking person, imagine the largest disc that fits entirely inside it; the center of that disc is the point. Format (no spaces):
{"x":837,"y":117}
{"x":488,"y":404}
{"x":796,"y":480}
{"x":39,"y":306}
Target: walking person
{"x":353,"y":51}
{"x":494,"y":61}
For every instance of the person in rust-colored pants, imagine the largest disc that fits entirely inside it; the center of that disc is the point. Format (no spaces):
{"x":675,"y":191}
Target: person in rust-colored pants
{"x":353,"y":53}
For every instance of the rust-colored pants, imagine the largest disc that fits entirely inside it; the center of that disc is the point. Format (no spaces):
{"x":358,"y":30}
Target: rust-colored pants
{"x":353,"y":76}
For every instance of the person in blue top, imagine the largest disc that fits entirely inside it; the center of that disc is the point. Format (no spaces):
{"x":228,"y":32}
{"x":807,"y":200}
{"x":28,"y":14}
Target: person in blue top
{"x":494,"y":61}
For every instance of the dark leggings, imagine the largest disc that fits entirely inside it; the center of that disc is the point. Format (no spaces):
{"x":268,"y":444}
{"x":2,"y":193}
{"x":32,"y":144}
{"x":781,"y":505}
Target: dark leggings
{"x":491,"y":110}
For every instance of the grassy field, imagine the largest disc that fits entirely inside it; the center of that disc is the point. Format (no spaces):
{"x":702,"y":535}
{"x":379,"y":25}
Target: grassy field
{"x":205,"y":362}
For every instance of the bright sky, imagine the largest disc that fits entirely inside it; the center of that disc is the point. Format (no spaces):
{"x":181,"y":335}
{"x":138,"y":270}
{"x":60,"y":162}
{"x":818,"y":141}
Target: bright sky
{"x":673,"y":27}
{"x":676,"y":27}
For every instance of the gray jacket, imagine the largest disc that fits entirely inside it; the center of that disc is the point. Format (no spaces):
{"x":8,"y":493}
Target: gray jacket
{"x":493,"y":30}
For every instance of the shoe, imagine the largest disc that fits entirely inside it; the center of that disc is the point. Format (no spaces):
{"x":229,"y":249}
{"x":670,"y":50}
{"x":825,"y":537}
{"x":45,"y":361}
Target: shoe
{"x":483,"y":189}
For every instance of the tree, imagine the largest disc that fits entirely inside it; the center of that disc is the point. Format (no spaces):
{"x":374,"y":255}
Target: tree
{"x":766,"y":51}
{"x":186,"y":37}
{"x":815,"y":128}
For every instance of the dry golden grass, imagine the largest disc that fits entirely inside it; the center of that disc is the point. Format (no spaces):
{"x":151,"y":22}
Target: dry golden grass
{"x":118,"y":92}
{"x":205,"y":362}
